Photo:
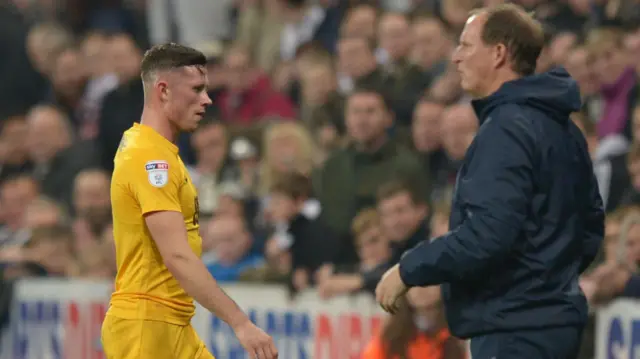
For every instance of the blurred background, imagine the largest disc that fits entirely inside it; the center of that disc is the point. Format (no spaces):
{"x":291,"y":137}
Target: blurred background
{"x":331,"y":147}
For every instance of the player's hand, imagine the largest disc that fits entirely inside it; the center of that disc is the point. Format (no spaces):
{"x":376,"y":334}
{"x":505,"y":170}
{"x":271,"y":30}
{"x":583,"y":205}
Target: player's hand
{"x":390,"y":289}
{"x":256,"y":342}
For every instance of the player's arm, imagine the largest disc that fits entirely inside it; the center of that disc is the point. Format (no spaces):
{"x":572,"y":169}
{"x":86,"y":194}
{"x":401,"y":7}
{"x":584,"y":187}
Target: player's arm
{"x":170,"y":235}
{"x":156,"y":182}
{"x":497,"y":190}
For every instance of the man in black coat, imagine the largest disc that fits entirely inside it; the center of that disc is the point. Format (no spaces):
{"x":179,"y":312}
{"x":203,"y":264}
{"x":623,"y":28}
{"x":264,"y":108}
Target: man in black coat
{"x":527,"y":218}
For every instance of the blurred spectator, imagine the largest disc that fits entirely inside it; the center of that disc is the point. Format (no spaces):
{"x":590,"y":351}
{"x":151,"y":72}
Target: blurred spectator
{"x":426,"y":136}
{"x":210,"y":144}
{"x":14,"y":158}
{"x":249,"y":96}
{"x":357,"y":65}
{"x":406,"y":81}
{"x":617,"y":77}
{"x":121,"y":107}
{"x":369,"y":161}
{"x":288,"y":147}
{"x":360,"y":21}
{"x":632,"y":194}
{"x":609,"y":162}
{"x":458,"y":128}
{"x":56,"y":158}
{"x":16,"y":193}
{"x":417,"y":331}
{"x":372,"y":246}
{"x":69,"y":79}
{"x":91,"y":205}
{"x":51,"y":247}
{"x":45,"y":42}
{"x":302,"y":19}
{"x":43,"y":212}
{"x":188,"y":22}
{"x":432,"y":46}
{"x":579,"y":63}
{"x":231,"y":244}
{"x":260,"y":25}
{"x":299,"y":233}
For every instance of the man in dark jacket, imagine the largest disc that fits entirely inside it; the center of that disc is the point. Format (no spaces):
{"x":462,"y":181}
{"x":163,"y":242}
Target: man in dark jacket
{"x":526,"y":217}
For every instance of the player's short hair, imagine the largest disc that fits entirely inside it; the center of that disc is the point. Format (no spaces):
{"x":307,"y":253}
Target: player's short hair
{"x":294,"y":185}
{"x":169,"y":57}
{"x":400,"y":186}
{"x":364,"y":220}
{"x":518,"y":31}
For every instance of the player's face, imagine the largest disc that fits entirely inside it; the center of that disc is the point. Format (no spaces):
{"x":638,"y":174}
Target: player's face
{"x":473,"y":58}
{"x":188,"y":98}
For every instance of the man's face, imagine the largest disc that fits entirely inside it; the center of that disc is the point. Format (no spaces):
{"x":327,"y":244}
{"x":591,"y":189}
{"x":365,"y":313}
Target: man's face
{"x":185,"y":97}
{"x":426,"y":126}
{"x":361,"y":22}
{"x":366,"y":117}
{"x":400,"y":216}
{"x":230,"y":238}
{"x":579,"y":64}
{"x":69,"y":73}
{"x":394,"y":36}
{"x":636,"y":123}
{"x":473,"y":58}
{"x":46,"y":134}
{"x":634,"y":173}
{"x":91,"y":198}
{"x":373,"y":246}
{"x":459,"y":127}
{"x":282,"y":208}
{"x":125,"y":57}
{"x":15,"y":197}
{"x":236,"y":67}
{"x":609,"y":63}
{"x":13,"y":140}
{"x":355,"y":58}
{"x":317,"y":84}
{"x":430,"y":42}
{"x":210,"y":144}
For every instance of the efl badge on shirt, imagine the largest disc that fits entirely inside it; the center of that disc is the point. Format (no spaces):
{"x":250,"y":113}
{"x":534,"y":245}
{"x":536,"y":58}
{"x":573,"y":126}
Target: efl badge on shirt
{"x":158,"y":173}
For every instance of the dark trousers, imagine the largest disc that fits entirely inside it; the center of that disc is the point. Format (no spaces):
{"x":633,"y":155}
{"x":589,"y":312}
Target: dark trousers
{"x":552,"y":343}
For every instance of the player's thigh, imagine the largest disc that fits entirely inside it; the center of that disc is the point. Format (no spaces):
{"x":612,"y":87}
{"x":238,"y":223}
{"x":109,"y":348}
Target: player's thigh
{"x":145,"y":339}
{"x":191,"y":346}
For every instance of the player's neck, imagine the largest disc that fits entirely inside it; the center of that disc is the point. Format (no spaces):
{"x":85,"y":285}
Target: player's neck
{"x":159,"y":123}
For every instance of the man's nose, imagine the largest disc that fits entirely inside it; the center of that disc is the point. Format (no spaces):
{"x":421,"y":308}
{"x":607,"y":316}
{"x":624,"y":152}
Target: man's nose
{"x":207,"y":100}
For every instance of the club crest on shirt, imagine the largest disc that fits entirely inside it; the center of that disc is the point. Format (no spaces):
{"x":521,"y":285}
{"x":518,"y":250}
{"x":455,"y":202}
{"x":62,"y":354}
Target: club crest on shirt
{"x":157,"y":172}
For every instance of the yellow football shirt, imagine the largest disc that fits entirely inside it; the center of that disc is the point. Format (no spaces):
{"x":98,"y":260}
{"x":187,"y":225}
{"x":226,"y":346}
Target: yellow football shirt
{"x":149,"y":176}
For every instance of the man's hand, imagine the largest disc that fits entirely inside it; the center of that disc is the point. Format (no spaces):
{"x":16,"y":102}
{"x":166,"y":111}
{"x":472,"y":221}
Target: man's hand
{"x":256,"y":342}
{"x":390,"y":289}
{"x":610,"y":279}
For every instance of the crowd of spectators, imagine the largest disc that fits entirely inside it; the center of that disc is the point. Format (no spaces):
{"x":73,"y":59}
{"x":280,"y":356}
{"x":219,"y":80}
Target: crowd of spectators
{"x":332,"y":144}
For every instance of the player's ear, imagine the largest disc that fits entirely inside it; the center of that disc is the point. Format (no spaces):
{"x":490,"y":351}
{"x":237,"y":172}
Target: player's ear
{"x":162,"y":87}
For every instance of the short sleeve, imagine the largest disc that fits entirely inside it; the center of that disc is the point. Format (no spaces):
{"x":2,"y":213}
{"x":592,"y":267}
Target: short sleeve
{"x":155,"y":181}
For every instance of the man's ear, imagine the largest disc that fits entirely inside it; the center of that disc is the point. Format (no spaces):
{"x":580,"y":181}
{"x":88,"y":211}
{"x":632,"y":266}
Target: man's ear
{"x":500,"y":55}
